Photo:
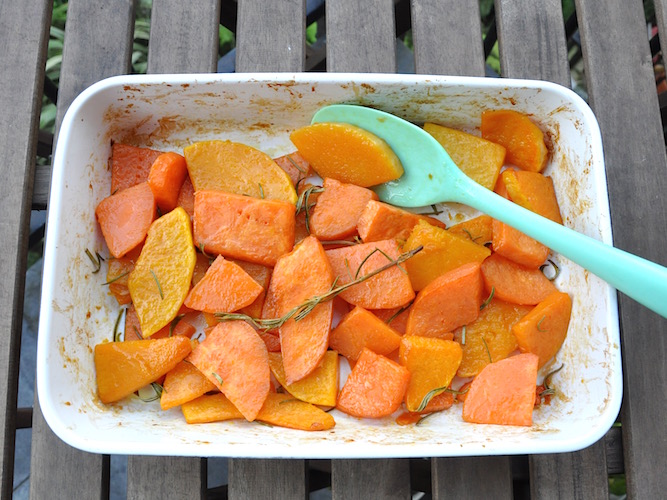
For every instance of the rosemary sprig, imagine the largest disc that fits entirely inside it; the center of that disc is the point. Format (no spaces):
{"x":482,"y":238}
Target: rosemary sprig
{"x":97,"y":260}
{"x":157,"y":393}
{"x":136,"y":330}
{"x":433,"y":393}
{"x":488,"y":299}
{"x":217,"y":377}
{"x":303,"y":203}
{"x":434,"y":211}
{"x":400,"y":310}
{"x":556,"y":270}
{"x":295,"y":164}
{"x":203,"y":252}
{"x":486,"y":346}
{"x":463,"y":335}
{"x":157,"y":282}
{"x":302,"y":310}
{"x":116,"y":278}
{"x":349,"y":243}
{"x":116,"y":333}
{"x":539,"y":325}
{"x":261,"y":190}
{"x":548,"y":390}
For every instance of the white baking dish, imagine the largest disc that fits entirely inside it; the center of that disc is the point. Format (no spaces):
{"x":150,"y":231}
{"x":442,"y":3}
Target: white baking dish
{"x":168,"y":112}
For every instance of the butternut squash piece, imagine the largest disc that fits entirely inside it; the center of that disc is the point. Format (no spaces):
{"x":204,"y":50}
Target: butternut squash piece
{"x":320,"y":387}
{"x":347,"y":153}
{"x":124,"y":367}
{"x":239,"y":169}
{"x":479,"y":159}
{"x":162,"y":275}
{"x":523,"y":139}
{"x":443,"y":252}
{"x":182,"y":384}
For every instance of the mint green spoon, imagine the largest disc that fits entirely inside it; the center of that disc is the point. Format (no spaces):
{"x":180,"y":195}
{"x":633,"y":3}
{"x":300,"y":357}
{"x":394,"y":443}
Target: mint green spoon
{"x":431,"y":177}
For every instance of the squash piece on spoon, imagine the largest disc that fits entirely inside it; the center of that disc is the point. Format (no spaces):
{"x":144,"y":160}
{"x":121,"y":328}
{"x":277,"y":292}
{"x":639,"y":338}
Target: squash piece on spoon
{"x":347,"y":153}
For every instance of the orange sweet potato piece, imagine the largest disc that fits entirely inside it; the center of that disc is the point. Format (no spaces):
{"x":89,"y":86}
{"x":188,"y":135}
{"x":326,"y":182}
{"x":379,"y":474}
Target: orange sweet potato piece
{"x":176,"y":327}
{"x":361,"y":328}
{"x":271,"y":340}
{"x":295,"y":165}
{"x":165,"y":178}
{"x":432,"y":364}
{"x":543,"y":330}
{"x":442,"y":252}
{"x":396,"y":317}
{"x":235,"y":359}
{"x":130,"y":165}
{"x":513,"y":282}
{"x":381,"y":221}
{"x":347,"y":153}
{"x":262,"y":275}
{"x":125,"y":367}
{"x":118,"y":273}
{"x":390,"y":288}
{"x":503,"y":392}
{"x":523,"y":140}
{"x":210,"y":408}
{"x":284,"y":410}
{"x":489,"y":338}
{"x":375,"y":387}
{"x":320,"y":387}
{"x":182,"y":384}
{"x":478,"y":229}
{"x":226,"y":287}
{"x":338,"y":209}
{"x":298,"y":276}
{"x":450,"y":301}
{"x":533,"y":191}
{"x":125,"y":218}
{"x":186,"y":197}
{"x":518,"y":247}
{"x":242,"y":227}
{"x":478,"y":158}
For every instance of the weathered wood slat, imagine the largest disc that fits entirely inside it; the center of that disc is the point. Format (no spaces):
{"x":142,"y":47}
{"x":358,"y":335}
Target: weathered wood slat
{"x":271,"y":36}
{"x":184,"y":36}
{"x":622,"y":93}
{"x":93,"y":28}
{"x":165,"y":477}
{"x":23,"y":35}
{"x":472,"y":478}
{"x":361,"y":36}
{"x":447,"y":37}
{"x":580,"y":475}
{"x":267,"y":479}
{"x":542,"y":54}
{"x":377,"y":478}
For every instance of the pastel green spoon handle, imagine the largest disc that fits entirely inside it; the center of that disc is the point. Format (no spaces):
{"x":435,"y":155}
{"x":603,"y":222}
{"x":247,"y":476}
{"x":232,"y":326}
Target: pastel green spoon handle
{"x":643,"y":280}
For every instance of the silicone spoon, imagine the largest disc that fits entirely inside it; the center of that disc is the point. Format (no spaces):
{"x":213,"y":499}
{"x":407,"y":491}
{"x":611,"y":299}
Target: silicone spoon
{"x":431,"y":177}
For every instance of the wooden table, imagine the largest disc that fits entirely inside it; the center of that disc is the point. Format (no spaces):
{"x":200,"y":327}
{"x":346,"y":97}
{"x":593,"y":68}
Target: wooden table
{"x":360,"y":37}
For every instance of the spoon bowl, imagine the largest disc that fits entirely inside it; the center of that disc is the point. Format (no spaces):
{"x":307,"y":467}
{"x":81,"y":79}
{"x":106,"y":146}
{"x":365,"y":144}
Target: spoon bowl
{"x":431,"y":177}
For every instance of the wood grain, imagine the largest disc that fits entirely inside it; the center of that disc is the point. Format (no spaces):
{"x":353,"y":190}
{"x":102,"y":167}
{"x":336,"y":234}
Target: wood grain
{"x":184,"y":36}
{"x":97,"y":45}
{"x":165,"y":477}
{"x":371,"y":478}
{"x":361,"y":36}
{"x":23,"y":34}
{"x":267,"y":479}
{"x":469,"y":478}
{"x":622,"y":93}
{"x":531,"y":40}
{"x":447,"y":37}
{"x":271,"y":36}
